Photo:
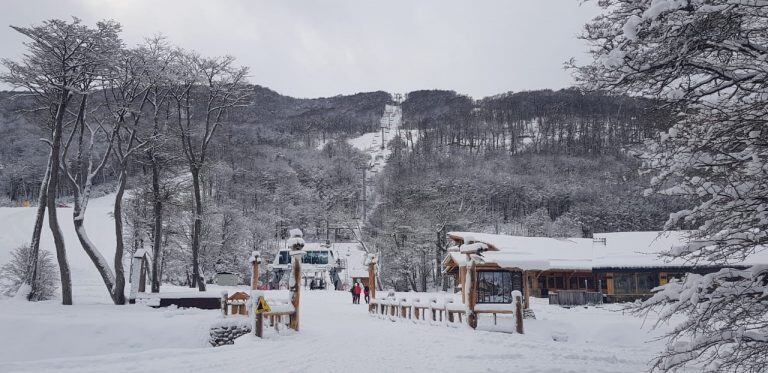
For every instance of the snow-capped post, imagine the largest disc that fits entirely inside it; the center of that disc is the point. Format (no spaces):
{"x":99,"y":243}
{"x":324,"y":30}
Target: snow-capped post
{"x":224,"y":298}
{"x":138,"y":276}
{"x":518,"y":297}
{"x":255,"y":262}
{"x":296,"y":243}
{"x":371,"y":262}
{"x":472,"y":250}
{"x":471,"y":296}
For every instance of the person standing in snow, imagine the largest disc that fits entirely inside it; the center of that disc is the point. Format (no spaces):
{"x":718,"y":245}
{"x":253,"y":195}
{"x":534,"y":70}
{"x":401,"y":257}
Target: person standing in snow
{"x":352,"y":291}
{"x":367,"y":293}
{"x":356,"y":293}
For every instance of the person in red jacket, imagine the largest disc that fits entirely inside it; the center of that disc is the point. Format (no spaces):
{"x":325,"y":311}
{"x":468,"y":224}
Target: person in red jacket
{"x":356,"y":290}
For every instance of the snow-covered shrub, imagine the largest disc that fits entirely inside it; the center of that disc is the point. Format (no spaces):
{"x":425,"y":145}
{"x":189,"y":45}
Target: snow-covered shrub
{"x":14,"y":273}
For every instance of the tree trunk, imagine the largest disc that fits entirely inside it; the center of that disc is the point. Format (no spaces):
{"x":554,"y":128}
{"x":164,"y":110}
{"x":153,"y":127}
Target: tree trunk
{"x":98,"y":260}
{"x":53,"y":221}
{"x":197,"y":227}
{"x":118,"y":294}
{"x":36,"y":232}
{"x":157,"y":229}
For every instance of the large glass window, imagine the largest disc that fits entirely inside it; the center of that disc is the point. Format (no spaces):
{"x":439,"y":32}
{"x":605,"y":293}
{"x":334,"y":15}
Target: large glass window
{"x":494,"y":287}
{"x":624,"y":283}
{"x":635,"y":283}
{"x":310,"y":257}
{"x":315,"y":257}
{"x":646,"y":282}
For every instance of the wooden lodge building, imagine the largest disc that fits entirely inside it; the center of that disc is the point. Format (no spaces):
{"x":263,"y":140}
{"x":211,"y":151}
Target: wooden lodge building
{"x":620,"y":266}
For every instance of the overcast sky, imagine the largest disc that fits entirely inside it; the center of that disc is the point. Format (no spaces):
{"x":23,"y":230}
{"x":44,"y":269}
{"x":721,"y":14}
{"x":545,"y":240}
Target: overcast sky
{"x":325,"y":48}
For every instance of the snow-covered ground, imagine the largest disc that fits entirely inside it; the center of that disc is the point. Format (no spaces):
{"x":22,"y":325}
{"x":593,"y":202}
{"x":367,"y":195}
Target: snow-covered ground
{"x":16,"y":228}
{"x":335,"y":336}
{"x":94,"y":336}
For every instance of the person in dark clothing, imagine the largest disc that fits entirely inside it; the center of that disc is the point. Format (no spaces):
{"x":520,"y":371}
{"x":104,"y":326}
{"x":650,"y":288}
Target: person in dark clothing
{"x":352,"y":291}
{"x":367,"y":293}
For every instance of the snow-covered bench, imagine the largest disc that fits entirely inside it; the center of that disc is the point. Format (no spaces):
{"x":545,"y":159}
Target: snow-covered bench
{"x":437,"y":305}
{"x":454,"y":306}
{"x":421,"y":304}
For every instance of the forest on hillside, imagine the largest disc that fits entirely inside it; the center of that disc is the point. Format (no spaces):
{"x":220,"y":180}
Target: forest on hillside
{"x":540,"y":163}
{"x":212,"y":167}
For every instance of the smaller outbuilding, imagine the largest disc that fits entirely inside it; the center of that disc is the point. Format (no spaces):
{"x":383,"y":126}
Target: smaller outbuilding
{"x":227,"y":279}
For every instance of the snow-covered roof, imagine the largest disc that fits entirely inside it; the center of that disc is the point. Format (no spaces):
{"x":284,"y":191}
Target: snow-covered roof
{"x":606,"y":250}
{"x":529,"y":252}
{"x":642,"y":249}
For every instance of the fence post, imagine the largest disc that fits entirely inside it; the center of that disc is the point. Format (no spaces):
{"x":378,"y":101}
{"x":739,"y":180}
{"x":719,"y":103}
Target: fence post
{"x":518,"y":311}
{"x":259,"y":325}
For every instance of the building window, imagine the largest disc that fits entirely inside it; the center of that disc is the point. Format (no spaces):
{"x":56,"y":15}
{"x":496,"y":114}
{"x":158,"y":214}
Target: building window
{"x":635,"y":283}
{"x":494,"y":287}
{"x":310,"y":257}
{"x":285,"y":258}
{"x":315,"y":257}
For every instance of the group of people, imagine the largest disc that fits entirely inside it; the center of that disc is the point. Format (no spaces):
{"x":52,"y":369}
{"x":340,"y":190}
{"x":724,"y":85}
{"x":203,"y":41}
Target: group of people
{"x":358,"y":289}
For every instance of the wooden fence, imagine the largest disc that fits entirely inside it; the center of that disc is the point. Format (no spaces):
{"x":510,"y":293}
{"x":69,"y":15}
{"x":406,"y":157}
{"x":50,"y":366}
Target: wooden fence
{"x":570,"y":298}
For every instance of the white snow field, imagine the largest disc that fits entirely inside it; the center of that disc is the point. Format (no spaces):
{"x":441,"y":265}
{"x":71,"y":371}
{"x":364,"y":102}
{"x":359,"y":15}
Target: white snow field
{"x":335,"y":336}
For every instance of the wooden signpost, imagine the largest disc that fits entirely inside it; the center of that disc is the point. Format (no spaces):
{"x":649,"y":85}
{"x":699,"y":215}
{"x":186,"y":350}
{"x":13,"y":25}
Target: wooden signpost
{"x":261,"y":308}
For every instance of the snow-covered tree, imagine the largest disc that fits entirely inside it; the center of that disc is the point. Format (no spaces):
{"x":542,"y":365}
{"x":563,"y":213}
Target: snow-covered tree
{"x":61,"y":59}
{"x":205,"y":91}
{"x":709,"y":60}
{"x":15,"y":273}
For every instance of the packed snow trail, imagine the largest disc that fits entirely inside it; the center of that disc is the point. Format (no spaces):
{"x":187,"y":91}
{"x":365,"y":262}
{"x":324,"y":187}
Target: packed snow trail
{"x":376,"y":144}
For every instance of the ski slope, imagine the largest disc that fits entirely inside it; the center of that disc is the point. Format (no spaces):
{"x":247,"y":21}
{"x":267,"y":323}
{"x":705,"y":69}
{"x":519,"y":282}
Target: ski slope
{"x":376,"y":144}
{"x":16,"y":229}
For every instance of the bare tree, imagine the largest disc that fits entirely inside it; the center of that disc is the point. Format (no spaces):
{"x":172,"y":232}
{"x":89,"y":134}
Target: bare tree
{"x":208,"y":87}
{"x":59,"y":60}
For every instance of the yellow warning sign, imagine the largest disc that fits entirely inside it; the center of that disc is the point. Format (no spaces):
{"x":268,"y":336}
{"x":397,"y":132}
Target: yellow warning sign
{"x":262,"y":306}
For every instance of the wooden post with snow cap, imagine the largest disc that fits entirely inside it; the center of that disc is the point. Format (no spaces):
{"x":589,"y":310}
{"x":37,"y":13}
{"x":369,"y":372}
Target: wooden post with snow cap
{"x":471,"y":292}
{"x":371,"y":262}
{"x":296,"y":244}
{"x":471,"y":250}
{"x":255,"y":262}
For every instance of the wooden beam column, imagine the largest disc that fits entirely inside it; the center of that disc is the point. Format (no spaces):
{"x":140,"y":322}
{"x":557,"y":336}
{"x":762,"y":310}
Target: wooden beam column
{"x":295,"y":290}
{"x":471,"y":299}
{"x":527,"y":289}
